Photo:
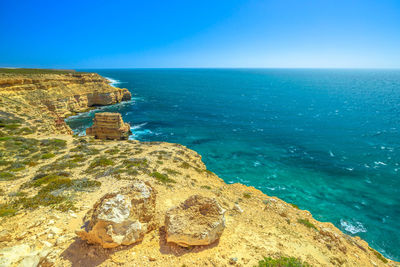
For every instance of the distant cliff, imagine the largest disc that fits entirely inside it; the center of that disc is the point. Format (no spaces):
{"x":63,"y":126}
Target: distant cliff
{"x":56,"y":95}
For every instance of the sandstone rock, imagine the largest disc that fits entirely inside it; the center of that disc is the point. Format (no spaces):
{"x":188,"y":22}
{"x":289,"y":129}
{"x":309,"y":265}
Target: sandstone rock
{"x":197,"y":221}
{"x":107,"y":125}
{"x":237,"y":208}
{"x":5,"y":236}
{"x":123,"y":217}
{"x":52,"y":97}
{"x":22,"y":255}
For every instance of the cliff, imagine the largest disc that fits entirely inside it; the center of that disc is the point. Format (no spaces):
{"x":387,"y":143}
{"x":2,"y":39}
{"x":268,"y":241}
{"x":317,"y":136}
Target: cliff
{"x":109,"y":126}
{"x":49,"y":182}
{"x":47,"y":98}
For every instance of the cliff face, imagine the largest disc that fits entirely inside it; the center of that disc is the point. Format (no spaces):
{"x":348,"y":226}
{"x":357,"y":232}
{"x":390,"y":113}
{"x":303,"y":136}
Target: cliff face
{"x":49,"y":182}
{"x":109,"y":126}
{"x":57,"y":96}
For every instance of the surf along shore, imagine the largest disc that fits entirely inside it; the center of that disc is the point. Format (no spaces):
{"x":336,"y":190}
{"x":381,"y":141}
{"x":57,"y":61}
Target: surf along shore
{"x":49,"y":179}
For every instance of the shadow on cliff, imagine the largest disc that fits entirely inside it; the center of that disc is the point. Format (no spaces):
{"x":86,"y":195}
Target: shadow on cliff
{"x":80,"y":253}
{"x":174,"y":249}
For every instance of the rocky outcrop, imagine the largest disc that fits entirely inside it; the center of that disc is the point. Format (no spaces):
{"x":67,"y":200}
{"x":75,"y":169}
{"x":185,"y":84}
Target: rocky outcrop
{"x":197,"y":221}
{"x":109,"y":126}
{"x":121,"y":218}
{"x":22,"y":255}
{"x":58,"y":95}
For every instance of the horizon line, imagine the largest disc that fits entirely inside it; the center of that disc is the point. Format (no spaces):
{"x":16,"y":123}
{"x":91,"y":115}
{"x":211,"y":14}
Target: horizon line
{"x":121,"y":68}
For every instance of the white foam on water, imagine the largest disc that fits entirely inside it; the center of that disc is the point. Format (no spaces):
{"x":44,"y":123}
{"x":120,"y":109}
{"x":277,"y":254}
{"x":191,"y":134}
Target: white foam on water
{"x":138,"y":131}
{"x":138,"y":126}
{"x":113,"y":82}
{"x":354,"y":228}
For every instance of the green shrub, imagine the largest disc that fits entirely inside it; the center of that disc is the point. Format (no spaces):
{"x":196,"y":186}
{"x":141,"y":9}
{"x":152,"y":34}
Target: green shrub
{"x":247,"y":195}
{"x":45,"y":179}
{"x":78,"y":158}
{"x":6,"y":176}
{"x":163,"y":178}
{"x":378,"y":255}
{"x":282,"y":262}
{"x":7,"y":210}
{"x":53,"y":144}
{"x":307,"y":223}
{"x":112,"y":151}
{"x":205,"y":187}
{"x":294,"y":206}
{"x":134,"y":162}
{"x":185,"y":165}
{"x":47,"y":156}
{"x":171,"y":171}
{"x":4,"y":162}
{"x":85,"y":184}
{"x":101,"y":162}
{"x":12,"y":126}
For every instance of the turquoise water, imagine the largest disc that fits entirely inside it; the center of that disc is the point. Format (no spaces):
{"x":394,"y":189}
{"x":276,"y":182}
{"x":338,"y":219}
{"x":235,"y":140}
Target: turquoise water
{"x":326,"y":140}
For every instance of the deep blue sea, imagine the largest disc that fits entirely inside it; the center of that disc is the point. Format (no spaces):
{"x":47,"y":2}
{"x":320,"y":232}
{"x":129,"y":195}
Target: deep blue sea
{"x":326,"y":140}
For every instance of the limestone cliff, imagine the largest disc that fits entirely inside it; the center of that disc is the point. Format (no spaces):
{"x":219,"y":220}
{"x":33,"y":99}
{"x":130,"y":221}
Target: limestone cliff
{"x":109,"y":126}
{"x":56,"y":96}
{"x":48,"y":183}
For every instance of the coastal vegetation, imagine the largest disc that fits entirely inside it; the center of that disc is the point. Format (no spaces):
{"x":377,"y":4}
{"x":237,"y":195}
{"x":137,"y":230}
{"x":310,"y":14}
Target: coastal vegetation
{"x":307,"y":223}
{"x":52,"y":182}
{"x":163,"y":178}
{"x":282,"y":262}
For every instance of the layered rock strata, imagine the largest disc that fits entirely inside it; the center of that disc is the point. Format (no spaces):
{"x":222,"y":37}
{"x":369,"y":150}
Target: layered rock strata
{"x":57,"y":96}
{"x":109,"y":126}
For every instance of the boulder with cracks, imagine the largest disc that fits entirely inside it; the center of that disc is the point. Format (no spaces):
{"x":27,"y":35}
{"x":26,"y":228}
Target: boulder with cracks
{"x":197,"y":221}
{"x":121,"y":218}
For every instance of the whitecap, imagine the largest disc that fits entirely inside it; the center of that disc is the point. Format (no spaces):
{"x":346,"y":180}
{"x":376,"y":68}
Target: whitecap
{"x":112,"y":81}
{"x":354,"y":228}
{"x":138,"y":126}
{"x":331,"y":153}
{"x":256,"y":163}
{"x":136,"y":133}
{"x":380,"y":163}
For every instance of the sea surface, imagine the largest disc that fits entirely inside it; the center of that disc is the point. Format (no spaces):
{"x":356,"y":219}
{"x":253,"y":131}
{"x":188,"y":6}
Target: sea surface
{"x":326,"y":140}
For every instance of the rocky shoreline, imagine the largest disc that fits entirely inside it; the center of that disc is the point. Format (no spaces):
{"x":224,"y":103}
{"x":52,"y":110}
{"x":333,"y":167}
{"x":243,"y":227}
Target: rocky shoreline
{"x":50,"y":181}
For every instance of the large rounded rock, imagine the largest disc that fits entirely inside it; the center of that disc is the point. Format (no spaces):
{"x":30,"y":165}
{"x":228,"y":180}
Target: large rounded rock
{"x":197,"y":221}
{"x":121,"y":218}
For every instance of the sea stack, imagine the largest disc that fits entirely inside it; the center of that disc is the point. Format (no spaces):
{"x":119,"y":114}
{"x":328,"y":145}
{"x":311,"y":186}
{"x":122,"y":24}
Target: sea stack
{"x":109,"y":126}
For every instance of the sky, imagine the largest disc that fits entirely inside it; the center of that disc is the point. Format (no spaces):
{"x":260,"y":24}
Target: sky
{"x":200,"y":34}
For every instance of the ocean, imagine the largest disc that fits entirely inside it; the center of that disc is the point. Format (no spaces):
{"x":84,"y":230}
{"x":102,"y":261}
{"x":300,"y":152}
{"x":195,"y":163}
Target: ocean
{"x":327,"y":140}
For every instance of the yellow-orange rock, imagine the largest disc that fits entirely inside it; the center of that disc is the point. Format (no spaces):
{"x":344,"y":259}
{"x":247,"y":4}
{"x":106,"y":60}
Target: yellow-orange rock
{"x":109,"y":126}
{"x":121,"y":218}
{"x":51,"y":97}
{"x":197,"y":221}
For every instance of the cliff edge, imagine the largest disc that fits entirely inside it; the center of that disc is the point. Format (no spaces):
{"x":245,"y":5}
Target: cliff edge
{"x":50,"y":180}
{"x":45,"y":99}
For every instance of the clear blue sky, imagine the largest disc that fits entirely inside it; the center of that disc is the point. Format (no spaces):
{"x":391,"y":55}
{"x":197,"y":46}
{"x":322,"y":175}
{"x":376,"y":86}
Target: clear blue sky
{"x":217,"y":33}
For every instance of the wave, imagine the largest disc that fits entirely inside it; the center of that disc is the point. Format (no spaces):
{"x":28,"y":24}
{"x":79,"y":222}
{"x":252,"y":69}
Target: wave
{"x":113,"y":82}
{"x":138,"y":126}
{"x":353,"y":228}
{"x":137,"y":131}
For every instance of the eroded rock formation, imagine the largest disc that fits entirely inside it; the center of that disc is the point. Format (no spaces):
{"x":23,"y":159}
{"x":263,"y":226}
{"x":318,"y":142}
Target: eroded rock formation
{"x":197,"y":221}
{"x":107,"y":125}
{"x":57,"y":95}
{"x":121,"y":218}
